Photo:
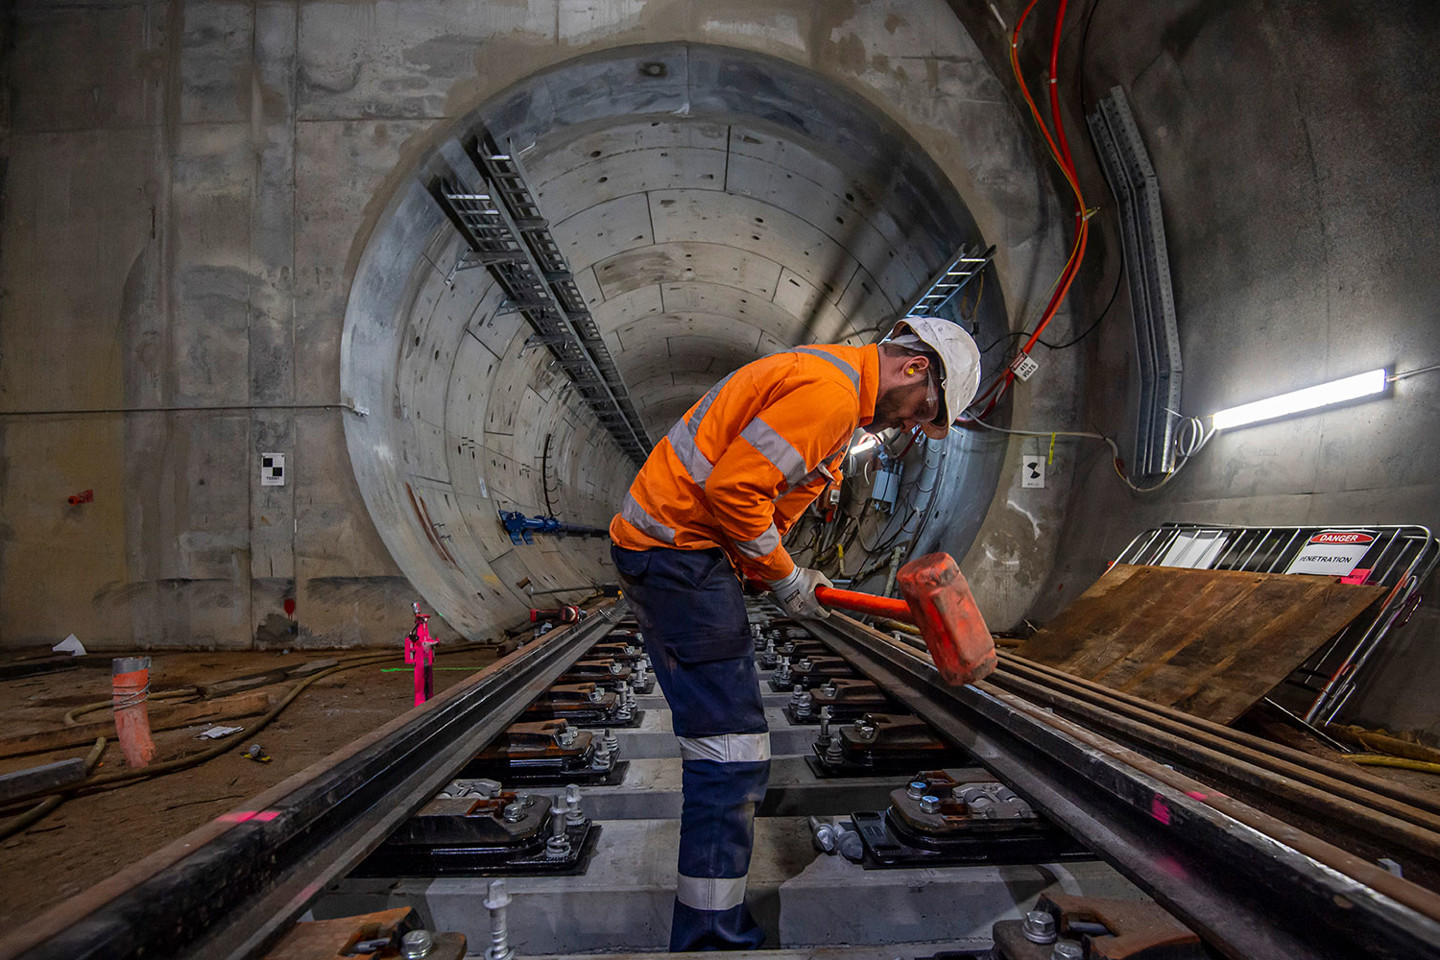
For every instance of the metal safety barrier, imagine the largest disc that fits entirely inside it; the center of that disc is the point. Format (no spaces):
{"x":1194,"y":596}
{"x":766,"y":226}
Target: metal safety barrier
{"x":1399,"y":557}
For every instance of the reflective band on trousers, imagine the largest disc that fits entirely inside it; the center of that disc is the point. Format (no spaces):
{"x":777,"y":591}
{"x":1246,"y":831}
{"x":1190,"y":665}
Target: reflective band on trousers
{"x":727,"y":747}
{"x":635,"y":515}
{"x":843,"y":367}
{"x":761,"y":545}
{"x":710,"y":893}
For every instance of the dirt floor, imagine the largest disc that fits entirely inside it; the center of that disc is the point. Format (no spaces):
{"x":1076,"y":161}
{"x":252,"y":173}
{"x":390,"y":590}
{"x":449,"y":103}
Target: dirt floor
{"x":91,"y":836}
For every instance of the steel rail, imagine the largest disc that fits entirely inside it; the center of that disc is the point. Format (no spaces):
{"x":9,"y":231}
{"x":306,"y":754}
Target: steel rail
{"x":1339,"y":790}
{"x":1358,"y":868}
{"x":1277,"y":757}
{"x":1338,"y":802}
{"x":1251,"y":885}
{"x":230,"y":888}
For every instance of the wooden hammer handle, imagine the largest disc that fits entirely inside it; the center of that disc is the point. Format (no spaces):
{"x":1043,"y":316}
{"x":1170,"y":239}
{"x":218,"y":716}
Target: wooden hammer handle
{"x":865,"y":603}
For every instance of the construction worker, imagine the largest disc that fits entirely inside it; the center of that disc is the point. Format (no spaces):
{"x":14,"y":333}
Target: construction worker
{"x":715,"y":497}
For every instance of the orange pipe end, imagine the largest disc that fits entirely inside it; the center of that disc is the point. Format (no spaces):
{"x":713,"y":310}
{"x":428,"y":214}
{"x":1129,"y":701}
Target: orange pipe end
{"x":130,"y":693}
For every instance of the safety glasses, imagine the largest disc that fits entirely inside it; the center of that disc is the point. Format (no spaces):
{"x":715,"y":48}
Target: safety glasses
{"x":931,"y":411}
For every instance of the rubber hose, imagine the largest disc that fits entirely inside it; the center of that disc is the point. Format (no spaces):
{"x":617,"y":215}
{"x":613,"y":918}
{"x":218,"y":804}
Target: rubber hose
{"x":1399,"y":763}
{"x":72,"y":716}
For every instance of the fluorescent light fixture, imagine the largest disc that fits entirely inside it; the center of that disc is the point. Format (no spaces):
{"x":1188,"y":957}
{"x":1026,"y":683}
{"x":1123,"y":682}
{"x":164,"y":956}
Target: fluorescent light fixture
{"x":866,"y":443}
{"x":1324,"y":395}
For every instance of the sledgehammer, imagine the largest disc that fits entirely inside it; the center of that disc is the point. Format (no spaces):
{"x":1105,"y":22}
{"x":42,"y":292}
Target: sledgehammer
{"x":939,"y":602}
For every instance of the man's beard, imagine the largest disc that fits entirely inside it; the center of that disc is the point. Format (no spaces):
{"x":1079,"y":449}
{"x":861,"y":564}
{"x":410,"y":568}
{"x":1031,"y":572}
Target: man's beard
{"x":889,"y":404}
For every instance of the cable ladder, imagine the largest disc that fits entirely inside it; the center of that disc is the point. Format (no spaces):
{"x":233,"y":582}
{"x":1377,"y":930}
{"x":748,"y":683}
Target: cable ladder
{"x":507,"y":233}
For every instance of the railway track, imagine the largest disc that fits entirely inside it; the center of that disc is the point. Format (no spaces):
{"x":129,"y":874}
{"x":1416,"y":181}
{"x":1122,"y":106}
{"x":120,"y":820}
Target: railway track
{"x":1036,"y":784}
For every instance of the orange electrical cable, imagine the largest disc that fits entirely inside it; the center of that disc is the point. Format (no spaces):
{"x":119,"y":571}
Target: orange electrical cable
{"x":1059,"y":147}
{"x":1030,"y":101}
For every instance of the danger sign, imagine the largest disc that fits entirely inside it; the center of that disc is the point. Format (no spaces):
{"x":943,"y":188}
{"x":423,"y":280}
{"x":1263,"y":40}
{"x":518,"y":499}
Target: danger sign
{"x":1332,"y":552}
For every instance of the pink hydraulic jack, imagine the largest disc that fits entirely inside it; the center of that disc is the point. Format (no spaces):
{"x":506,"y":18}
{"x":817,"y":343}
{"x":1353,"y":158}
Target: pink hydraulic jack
{"x":420,"y":650}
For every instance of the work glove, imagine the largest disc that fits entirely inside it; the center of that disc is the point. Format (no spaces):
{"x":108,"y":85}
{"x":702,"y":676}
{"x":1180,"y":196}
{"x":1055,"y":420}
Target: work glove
{"x":796,"y":593}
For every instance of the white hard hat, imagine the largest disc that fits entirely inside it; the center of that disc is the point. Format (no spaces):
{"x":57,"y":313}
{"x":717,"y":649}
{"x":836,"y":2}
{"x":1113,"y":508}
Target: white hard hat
{"x":959,"y":359}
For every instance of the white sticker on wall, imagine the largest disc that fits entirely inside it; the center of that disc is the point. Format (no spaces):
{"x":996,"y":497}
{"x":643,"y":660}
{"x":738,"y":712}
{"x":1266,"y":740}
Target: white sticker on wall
{"x":1024,"y":365}
{"x":484,"y":492}
{"x":272,"y":469}
{"x":1032,"y":470}
{"x":1332,"y":553}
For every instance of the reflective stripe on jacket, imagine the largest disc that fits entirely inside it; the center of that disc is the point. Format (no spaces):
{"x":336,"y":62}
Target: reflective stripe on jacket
{"x":743,"y":463}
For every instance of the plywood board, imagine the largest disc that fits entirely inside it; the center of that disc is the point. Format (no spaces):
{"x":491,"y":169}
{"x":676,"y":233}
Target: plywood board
{"x":1209,"y":642}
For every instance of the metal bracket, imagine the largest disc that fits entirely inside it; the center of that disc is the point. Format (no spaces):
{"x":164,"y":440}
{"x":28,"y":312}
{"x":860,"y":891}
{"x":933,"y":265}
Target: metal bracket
{"x":468,"y":260}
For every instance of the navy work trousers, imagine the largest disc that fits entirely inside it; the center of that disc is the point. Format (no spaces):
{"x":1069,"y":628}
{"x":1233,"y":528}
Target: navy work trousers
{"x":692,"y":614}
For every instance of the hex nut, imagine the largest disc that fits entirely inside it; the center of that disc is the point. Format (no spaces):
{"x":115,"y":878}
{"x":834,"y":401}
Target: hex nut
{"x":1038,"y":927}
{"x":1067,"y":950}
{"x":416,"y":944}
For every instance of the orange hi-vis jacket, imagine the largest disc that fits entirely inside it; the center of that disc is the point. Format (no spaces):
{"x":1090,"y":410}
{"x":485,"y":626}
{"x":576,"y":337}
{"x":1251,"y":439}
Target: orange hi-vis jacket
{"x":742,"y":464}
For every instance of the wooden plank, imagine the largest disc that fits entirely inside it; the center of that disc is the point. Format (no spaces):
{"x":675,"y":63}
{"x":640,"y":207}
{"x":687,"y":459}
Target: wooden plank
{"x":1166,"y":625}
{"x":327,"y":939}
{"x":34,"y":651}
{"x":162,"y":717}
{"x":333,"y":939}
{"x":222,"y":688}
{"x":1210,"y":642}
{"x":37,"y":666}
{"x":22,"y":783}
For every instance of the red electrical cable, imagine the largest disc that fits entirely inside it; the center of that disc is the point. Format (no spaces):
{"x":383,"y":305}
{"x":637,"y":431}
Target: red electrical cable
{"x":1082,"y":227}
{"x":1066,"y":162}
{"x":1060,"y":150}
{"x":1055,"y":93}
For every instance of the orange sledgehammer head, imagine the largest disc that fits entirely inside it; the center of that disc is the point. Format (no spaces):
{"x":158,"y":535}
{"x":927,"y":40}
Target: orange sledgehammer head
{"x":950,"y":623}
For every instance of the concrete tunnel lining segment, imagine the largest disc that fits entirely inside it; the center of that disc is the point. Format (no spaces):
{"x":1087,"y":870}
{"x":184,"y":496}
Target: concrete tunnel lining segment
{"x":716,"y":205}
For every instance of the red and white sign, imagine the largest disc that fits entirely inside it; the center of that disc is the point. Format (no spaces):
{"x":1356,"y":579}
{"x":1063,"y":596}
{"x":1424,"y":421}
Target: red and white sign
{"x":1333,"y":553}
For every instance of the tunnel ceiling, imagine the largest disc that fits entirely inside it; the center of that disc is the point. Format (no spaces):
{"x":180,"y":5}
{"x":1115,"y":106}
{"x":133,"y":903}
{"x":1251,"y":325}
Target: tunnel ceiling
{"x":717,"y":205}
{"x":701,"y":245}
{"x":714,"y":205}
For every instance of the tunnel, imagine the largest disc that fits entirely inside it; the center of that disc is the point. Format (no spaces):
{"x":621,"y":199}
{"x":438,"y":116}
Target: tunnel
{"x":222,"y":246}
{"x":715,"y":206}
{"x":272,"y":401}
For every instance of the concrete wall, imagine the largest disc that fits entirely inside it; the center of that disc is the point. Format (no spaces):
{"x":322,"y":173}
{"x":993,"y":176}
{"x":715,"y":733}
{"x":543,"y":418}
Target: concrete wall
{"x":1295,"y":146}
{"x":189,"y":191}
